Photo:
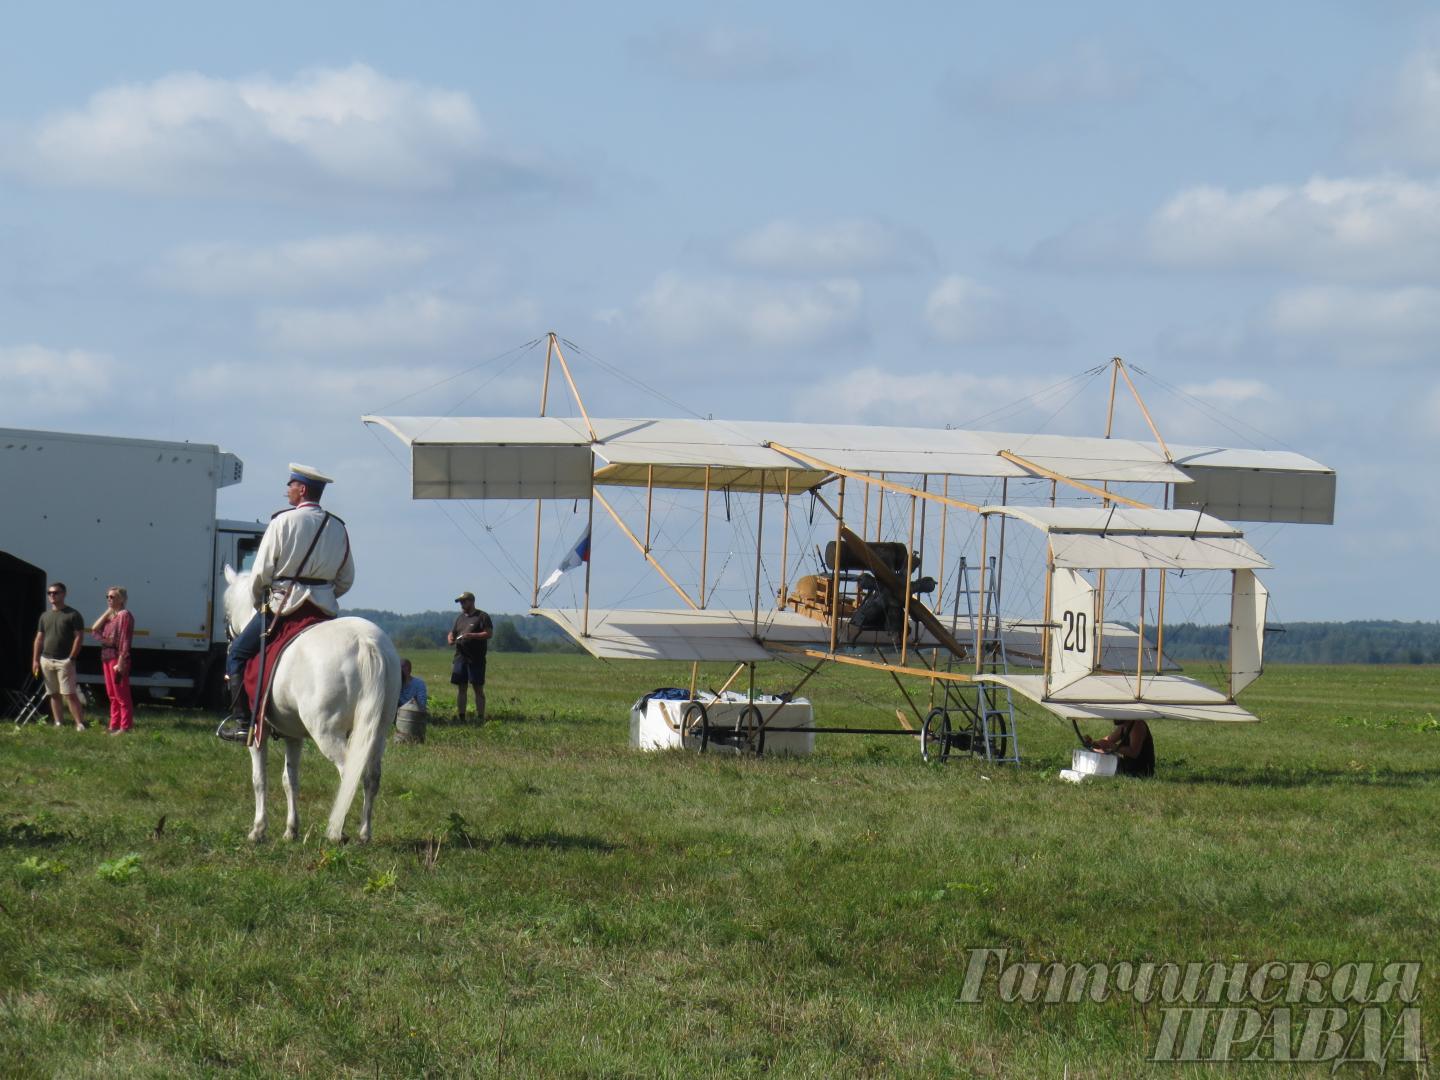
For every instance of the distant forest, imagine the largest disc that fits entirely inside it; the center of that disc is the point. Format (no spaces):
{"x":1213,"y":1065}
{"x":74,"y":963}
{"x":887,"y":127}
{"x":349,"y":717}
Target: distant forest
{"x":427,"y":630}
{"x":1371,"y":642}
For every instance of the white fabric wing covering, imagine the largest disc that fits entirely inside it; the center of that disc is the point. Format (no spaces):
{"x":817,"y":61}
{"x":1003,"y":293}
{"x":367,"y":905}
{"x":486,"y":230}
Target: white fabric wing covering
{"x":1112,"y":697}
{"x":466,"y":457}
{"x":1247,"y":630}
{"x":1127,"y":538}
{"x":1072,"y":635}
{"x":1129,"y":552}
{"x":661,"y":635}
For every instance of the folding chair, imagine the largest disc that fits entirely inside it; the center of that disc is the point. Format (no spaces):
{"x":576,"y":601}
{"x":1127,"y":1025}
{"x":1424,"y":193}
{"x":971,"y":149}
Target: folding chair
{"x":27,"y":703}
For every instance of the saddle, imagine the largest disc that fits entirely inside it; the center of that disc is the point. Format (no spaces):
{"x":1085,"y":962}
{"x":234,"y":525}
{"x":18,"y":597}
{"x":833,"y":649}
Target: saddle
{"x":283,"y":630}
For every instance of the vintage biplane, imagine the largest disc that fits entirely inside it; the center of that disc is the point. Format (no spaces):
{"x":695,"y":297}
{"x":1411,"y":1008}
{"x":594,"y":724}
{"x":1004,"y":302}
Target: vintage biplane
{"x":827,"y":531}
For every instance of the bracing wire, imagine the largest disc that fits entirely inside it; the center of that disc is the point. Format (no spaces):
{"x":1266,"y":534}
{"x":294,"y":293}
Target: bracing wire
{"x":1212,"y":412}
{"x":1031,"y":399}
{"x":518,"y":350}
{"x":625,"y":376}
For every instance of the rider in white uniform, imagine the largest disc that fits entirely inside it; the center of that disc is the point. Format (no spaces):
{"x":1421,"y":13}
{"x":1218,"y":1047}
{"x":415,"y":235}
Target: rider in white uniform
{"x":303,"y":560}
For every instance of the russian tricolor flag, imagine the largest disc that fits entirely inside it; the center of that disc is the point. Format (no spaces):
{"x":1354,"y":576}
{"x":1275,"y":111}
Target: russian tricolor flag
{"x":579,"y":554}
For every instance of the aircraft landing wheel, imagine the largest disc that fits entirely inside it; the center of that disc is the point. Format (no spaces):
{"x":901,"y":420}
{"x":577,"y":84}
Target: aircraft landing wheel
{"x":935,"y":736}
{"x":751,"y":727}
{"x":695,"y":724}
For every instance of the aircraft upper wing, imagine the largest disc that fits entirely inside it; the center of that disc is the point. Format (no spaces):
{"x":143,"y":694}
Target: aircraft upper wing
{"x":555,"y":457}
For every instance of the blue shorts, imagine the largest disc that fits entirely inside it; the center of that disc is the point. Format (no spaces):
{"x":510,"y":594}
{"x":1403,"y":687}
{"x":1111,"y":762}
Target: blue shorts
{"x":468,"y":671}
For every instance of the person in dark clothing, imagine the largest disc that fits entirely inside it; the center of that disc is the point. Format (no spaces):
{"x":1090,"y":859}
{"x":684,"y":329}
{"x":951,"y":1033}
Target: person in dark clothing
{"x":471,"y":637}
{"x":57,"y":643}
{"x":1133,"y":746}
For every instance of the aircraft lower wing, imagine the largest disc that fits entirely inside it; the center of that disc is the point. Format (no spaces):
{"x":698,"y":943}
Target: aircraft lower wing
{"x":1112,"y":697}
{"x":733,"y":635}
{"x":712,"y":634}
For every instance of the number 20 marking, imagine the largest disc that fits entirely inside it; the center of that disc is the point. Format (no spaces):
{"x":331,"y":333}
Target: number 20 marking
{"x":1076,"y":632}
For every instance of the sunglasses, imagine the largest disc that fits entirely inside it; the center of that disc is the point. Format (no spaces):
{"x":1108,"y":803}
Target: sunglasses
{"x":54,"y":592}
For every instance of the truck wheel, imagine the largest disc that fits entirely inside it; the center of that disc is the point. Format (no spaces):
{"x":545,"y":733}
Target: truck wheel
{"x":210,"y":692}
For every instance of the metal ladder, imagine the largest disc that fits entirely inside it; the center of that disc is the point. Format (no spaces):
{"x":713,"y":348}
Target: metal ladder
{"x":991,"y":708}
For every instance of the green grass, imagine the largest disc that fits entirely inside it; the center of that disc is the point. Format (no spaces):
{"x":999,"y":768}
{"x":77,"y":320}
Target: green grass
{"x":542,"y":901}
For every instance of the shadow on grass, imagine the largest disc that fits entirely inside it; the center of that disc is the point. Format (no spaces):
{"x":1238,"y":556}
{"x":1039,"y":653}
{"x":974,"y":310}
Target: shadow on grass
{"x":552,"y":840}
{"x":26,"y":834}
{"x":548,"y":840}
{"x":1249,"y":776}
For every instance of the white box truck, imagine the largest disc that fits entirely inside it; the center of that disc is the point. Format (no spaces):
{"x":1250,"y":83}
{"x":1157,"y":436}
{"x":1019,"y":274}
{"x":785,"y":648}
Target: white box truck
{"x":94,"y":511}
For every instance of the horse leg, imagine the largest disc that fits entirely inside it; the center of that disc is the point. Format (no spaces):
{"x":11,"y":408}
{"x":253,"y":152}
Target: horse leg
{"x":257,"y":781}
{"x":292,"y":788}
{"x":371,"y":786}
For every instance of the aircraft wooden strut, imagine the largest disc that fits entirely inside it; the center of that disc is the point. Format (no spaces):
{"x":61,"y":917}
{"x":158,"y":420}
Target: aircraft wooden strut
{"x":868,"y":603}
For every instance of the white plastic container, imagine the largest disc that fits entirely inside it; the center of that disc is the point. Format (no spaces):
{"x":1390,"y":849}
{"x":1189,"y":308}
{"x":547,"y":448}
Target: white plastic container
{"x":1091,"y":763}
{"x":656,"y":726}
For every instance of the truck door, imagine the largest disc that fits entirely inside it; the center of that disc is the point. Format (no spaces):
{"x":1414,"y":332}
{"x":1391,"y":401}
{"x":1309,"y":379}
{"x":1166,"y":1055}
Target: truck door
{"x":236,"y":549}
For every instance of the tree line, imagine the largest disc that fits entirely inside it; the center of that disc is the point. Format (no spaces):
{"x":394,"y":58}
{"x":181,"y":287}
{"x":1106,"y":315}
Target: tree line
{"x":427,"y":630}
{"x":1361,"y":642}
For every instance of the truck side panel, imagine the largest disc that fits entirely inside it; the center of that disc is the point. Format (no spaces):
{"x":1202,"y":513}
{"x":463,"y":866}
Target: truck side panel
{"x":95,"y":511}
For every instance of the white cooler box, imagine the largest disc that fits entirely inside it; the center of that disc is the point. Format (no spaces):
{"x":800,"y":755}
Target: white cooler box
{"x":656,"y":725}
{"x":1088,"y":764}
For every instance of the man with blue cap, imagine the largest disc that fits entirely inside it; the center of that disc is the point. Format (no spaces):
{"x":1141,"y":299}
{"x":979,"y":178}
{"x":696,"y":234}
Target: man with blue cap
{"x":303,"y":564}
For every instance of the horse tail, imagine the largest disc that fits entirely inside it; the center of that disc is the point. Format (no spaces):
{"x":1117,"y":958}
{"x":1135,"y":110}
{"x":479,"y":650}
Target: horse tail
{"x":375,"y":707}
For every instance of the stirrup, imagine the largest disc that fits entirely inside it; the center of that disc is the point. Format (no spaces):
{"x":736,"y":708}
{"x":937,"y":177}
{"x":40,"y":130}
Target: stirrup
{"x":234,"y":729}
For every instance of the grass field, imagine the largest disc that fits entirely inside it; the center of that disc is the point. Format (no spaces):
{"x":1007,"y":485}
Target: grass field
{"x":542,"y":901}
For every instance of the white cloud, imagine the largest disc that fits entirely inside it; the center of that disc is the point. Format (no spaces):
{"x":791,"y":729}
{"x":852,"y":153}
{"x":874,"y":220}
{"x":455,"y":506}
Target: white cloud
{"x":721,"y":54}
{"x":1228,"y":412}
{"x":317,"y":264}
{"x":962,"y":311}
{"x":346,"y":391}
{"x":690,"y":311}
{"x":416,"y":320}
{"x":47,"y":382}
{"x":872,"y":395}
{"x":1365,"y":326}
{"x":1342,"y":229}
{"x":1405,"y":127}
{"x":848,"y":246}
{"x":1086,"y":71}
{"x":1228,"y":391}
{"x":328,"y":129}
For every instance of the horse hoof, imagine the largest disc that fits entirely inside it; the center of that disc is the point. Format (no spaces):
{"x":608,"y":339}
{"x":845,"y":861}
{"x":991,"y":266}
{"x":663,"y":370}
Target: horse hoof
{"x":257,"y":836}
{"x":291,"y":834}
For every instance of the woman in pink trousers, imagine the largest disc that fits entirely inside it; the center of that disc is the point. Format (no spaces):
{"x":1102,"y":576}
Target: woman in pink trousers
{"x":116,"y":629}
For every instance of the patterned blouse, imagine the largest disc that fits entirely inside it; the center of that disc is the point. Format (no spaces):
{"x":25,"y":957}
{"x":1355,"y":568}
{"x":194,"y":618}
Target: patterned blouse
{"x":116,"y":635}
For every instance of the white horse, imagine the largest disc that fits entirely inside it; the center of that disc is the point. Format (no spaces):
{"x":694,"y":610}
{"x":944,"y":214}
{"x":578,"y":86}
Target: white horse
{"x":338,"y":681}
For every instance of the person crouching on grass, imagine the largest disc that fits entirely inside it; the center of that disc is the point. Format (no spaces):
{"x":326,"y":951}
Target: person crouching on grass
{"x":1133,"y":747}
{"x":116,"y":629}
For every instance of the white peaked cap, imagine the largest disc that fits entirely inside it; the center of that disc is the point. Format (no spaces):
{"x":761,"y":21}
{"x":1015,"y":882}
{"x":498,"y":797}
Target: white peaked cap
{"x":308,"y":473}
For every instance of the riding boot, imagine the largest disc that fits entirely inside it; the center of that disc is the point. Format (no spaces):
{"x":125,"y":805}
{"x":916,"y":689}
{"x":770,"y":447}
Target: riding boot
{"x":236,"y":726}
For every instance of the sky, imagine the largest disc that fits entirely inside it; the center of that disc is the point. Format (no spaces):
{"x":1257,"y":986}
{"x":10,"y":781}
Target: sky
{"x":251,"y":226}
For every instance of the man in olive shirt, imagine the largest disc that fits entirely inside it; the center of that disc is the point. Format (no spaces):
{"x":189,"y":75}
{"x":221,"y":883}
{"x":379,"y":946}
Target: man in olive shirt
{"x":57,"y":643}
{"x":471,"y":638}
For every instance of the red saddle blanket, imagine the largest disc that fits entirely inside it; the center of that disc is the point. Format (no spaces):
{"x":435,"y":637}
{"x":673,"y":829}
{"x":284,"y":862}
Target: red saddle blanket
{"x":283,"y":630}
